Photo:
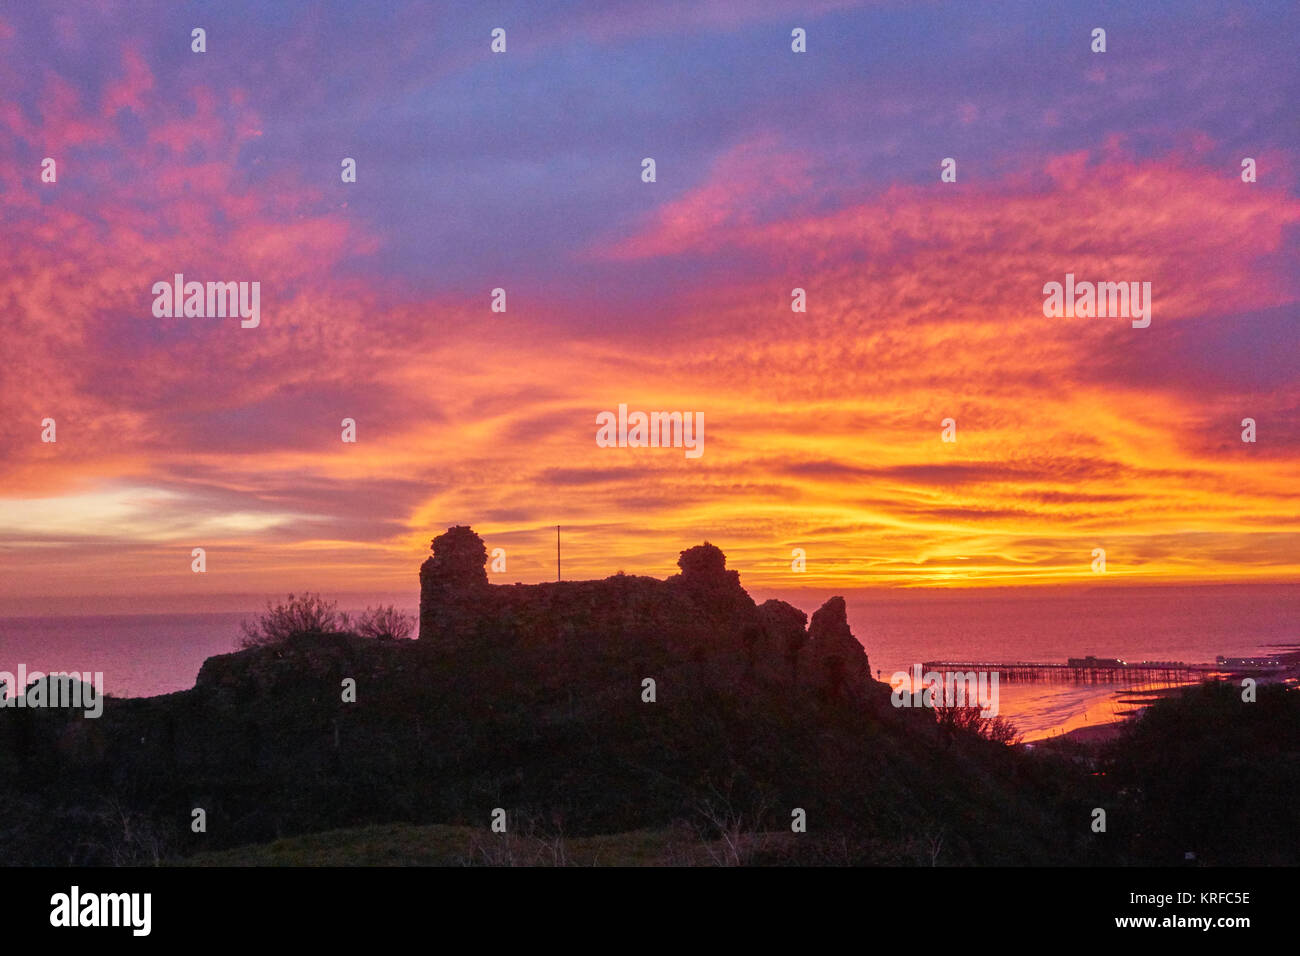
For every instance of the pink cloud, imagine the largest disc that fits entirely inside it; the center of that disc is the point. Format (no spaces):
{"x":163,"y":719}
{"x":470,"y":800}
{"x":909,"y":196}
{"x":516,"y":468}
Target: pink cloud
{"x":1102,"y":214}
{"x":128,"y":91}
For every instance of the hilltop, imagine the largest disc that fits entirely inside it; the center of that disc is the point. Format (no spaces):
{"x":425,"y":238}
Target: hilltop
{"x":533,"y":699}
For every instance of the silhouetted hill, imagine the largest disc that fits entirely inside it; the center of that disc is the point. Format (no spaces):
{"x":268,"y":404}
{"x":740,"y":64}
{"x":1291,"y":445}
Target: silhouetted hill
{"x":533,"y":699}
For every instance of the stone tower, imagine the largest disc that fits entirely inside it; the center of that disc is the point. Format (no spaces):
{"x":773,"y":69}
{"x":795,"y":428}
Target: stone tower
{"x":453,"y":586}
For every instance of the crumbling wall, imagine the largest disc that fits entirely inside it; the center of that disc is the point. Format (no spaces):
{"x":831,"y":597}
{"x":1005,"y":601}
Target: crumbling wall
{"x":701,"y":614}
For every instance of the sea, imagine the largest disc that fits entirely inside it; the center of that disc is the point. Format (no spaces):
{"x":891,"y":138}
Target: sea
{"x":143,"y":655}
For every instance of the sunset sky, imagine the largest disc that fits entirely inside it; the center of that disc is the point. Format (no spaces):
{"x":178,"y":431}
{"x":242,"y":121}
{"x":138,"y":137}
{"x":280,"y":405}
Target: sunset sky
{"x":522,"y":170}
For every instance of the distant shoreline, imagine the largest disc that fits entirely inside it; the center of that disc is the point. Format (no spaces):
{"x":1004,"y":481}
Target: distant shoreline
{"x":1092,"y":735}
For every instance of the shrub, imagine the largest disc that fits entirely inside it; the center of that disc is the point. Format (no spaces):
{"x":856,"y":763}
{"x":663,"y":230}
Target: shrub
{"x":385,"y":622}
{"x":970,"y":720}
{"x":308,"y":614}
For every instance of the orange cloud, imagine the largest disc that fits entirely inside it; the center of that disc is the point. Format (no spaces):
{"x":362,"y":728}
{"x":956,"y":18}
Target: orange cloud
{"x":822,"y":428}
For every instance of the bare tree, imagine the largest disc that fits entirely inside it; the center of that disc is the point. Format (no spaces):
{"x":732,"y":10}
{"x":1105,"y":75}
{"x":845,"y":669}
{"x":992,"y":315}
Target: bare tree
{"x":308,"y":614}
{"x":385,"y":622}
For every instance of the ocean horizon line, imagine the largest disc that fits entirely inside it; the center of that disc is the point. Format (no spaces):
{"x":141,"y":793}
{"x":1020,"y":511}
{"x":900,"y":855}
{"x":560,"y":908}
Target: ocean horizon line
{"x":234,"y":602}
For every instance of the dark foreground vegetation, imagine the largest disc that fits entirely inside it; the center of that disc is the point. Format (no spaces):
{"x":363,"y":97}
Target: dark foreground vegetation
{"x":567,"y":747}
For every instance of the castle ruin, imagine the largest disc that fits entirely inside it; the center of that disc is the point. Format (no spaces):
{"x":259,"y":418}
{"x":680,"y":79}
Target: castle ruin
{"x":701,"y":614}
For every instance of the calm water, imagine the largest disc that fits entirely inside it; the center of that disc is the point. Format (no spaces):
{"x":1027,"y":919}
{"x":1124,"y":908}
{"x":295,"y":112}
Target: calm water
{"x":140,"y":655}
{"x":144,"y":655}
{"x":1181,"y":624}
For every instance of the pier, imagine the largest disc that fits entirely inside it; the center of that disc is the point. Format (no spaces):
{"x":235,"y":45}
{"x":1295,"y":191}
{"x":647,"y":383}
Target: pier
{"x":1084,"y":670}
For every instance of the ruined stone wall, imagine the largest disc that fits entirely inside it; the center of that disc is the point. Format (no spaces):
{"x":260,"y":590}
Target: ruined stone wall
{"x":701,"y":614}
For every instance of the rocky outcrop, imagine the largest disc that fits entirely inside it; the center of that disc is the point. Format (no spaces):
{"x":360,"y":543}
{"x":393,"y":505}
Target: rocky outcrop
{"x":838,"y":656}
{"x":785,"y":630}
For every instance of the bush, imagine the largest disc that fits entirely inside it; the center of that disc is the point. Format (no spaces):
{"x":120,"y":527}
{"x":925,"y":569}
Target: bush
{"x":308,"y":614}
{"x":385,"y":622}
{"x":971,"y":721}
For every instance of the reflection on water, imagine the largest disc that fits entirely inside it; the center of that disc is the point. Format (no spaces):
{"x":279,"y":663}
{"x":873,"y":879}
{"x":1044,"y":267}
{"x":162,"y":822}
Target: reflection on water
{"x":1046,"y":710}
{"x":1192,"y":624}
{"x":1042,"y":709}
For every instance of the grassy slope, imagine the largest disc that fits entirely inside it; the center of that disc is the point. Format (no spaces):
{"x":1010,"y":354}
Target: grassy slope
{"x":406,"y":845}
